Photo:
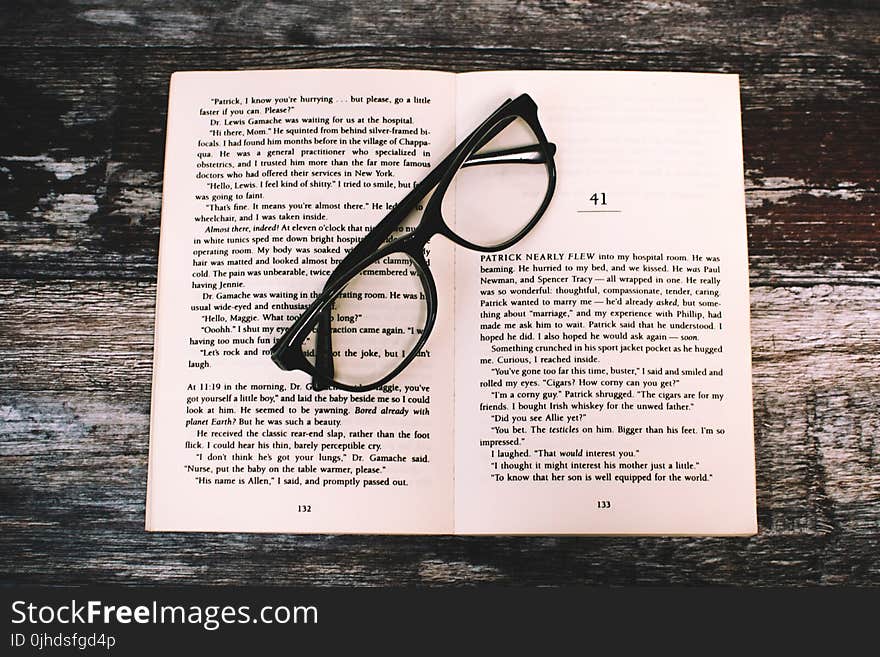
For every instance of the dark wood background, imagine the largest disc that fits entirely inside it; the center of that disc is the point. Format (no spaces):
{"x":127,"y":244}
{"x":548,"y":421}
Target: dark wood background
{"x":83,"y":93}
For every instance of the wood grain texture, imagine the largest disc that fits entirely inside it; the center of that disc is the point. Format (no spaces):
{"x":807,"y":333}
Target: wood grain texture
{"x":83,"y":92}
{"x":760,"y":28}
{"x":82,"y":149}
{"x":75,"y":448}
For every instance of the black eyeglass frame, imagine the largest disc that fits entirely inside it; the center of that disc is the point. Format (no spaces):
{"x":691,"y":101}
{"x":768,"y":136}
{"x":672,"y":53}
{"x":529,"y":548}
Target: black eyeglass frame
{"x":288,"y":353}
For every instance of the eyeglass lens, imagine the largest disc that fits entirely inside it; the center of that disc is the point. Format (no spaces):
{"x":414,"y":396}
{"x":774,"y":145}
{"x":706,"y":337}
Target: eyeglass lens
{"x":489,"y":204}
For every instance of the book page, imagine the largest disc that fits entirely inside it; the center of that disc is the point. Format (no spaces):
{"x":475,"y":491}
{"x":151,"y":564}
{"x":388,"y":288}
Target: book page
{"x":605,"y":385}
{"x":271,"y":177}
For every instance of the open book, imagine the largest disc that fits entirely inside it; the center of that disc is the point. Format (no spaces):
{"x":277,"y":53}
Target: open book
{"x":595,"y":378}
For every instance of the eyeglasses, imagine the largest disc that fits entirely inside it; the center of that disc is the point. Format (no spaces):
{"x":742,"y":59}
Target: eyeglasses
{"x":379,"y":305}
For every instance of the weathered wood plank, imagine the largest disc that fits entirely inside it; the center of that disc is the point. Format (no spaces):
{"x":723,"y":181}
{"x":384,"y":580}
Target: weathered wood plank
{"x":82,"y":138}
{"x":754,"y":28}
{"x":83,"y":91}
{"x":74,"y":449}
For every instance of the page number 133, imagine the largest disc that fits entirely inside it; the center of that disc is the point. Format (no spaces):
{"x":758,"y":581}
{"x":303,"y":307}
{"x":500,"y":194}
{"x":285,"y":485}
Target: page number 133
{"x":603,"y":504}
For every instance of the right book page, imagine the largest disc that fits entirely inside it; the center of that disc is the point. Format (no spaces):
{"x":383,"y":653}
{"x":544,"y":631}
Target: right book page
{"x":603,"y":364}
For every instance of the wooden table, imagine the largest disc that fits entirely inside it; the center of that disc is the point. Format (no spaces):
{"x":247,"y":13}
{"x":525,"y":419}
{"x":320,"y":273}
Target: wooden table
{"x":83,"y":93}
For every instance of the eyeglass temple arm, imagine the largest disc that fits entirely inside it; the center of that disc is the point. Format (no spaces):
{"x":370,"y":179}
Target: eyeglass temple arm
{"x":533,"y":154}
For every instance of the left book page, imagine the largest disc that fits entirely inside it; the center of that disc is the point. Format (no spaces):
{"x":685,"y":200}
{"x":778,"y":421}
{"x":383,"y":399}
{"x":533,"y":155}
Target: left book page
{"x":270,"y":178}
